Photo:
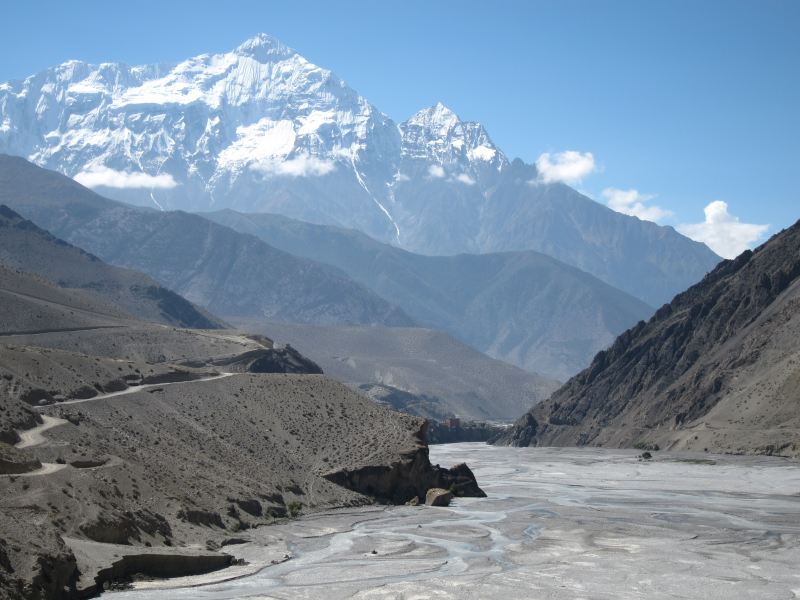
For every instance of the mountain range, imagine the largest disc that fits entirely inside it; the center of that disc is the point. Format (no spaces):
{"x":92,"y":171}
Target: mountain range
{"x":525,"y":308}
{"x":717,"y":369}
{"x":261,"y":129}
{"x":213,"y":266}
{"x":237,"y":274}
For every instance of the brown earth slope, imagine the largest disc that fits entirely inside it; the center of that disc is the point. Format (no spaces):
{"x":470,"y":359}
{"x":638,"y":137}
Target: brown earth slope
{"x":131,"y":447}
{"x":186,"y":463}
{"x":718,"y":368}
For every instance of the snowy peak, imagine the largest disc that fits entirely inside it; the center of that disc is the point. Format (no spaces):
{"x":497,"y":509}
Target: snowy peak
{"x":264,"y":48}
{"x":437,"y":134}
{"x":436,"y":118}
{"x":196,"y":122}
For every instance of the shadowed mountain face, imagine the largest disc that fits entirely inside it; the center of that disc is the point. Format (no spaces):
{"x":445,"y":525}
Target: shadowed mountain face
{"x":224,"y":271}
{"x":261,"y":129}
{"x":431,"y":373}
{"x":718,"y":368}
{"x":522,"y":307}
{"x":26,"y":247}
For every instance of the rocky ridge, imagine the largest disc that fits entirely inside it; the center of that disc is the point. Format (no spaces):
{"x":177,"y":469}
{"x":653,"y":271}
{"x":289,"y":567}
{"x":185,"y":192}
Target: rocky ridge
{"x":525,"y":308}
{"x":716,"y":369}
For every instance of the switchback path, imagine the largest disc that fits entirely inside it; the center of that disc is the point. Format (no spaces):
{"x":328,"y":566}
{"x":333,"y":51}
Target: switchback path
{"x":33,"y":437}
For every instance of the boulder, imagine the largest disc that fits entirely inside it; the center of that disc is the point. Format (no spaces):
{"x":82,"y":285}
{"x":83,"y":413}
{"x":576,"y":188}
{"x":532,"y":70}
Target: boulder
{"x":462,"y":481}
{"x":438,"y":497}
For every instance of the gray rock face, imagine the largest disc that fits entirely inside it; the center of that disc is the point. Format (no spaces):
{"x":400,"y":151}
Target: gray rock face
{"x":717,"y":368}
{"x":14,"y":462}
{"x":522,"y":307}
{"x":228,"y":273}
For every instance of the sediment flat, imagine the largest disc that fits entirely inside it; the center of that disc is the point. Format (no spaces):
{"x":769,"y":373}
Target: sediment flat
{"x":557,"y":524}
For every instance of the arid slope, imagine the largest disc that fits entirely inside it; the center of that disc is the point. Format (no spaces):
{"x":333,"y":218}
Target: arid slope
{"x":718,"y":368}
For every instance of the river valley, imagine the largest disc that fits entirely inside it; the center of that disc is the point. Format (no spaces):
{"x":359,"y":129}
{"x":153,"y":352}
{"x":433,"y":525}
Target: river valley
{"x":557,"y":524}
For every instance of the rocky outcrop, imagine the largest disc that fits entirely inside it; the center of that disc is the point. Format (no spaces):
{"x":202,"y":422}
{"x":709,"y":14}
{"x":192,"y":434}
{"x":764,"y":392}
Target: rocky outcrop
{"x":270,"y":360}
{"x":125,"y":528}
{"x":252,"y":506}
{"x":410,"y":477}
{"x":20,"y":418}
{"x":49,"y":572}
{"x":202,"y":517}
{"x":157,"y":564}
{"x":5,"y":562}
{"x":715,"y":369}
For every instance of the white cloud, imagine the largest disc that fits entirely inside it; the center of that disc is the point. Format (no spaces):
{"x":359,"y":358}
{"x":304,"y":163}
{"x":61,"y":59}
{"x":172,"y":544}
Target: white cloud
{"x":302,"y":165}
{"x":401,"y":177}
{"x":631,"y":202}
{"x":465,"y":179}
{"x":436,"y":171}
{"x":723,"y":232}
{"x":102,"y":176}
{"x":567,"y":167}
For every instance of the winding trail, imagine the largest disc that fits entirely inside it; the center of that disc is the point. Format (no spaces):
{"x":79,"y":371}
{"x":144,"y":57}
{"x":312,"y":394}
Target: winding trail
{"x":33,"y":437}
{"x":135,"y":388}
{"x":46,"y":469}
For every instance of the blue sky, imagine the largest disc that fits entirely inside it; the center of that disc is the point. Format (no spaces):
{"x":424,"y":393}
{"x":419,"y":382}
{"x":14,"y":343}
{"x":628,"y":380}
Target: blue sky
{"x":685,"y":102}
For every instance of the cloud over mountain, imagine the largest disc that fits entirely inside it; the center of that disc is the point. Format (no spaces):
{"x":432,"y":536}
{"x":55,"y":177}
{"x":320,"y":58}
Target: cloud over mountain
{"x":723,"y":232}
{"x":632,"y":202}
{"x":102,"y":176}
{"x":569,"y":166}
{"x":302,"y":165}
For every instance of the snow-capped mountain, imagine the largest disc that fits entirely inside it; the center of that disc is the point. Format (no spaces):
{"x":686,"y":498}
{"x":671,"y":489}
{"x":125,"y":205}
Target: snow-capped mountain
{"x":438,"y":136}
{"x":261,"y":129}
{"x":258,"y":128}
